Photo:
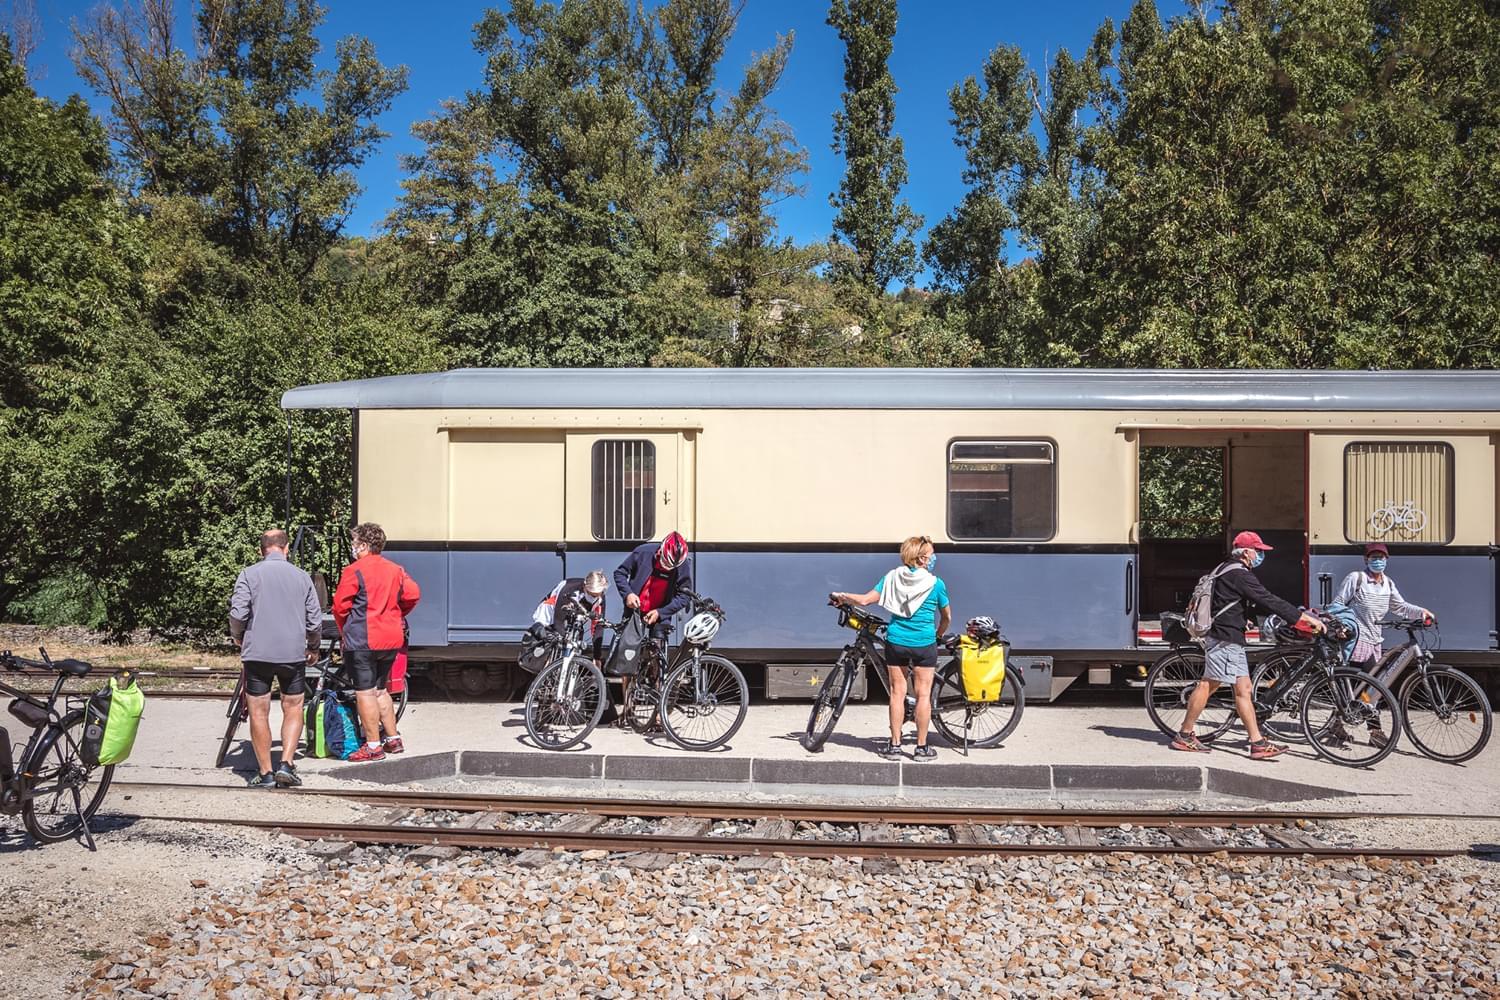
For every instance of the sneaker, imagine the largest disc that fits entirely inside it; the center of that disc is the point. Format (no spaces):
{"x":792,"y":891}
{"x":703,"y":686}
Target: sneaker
{"x":890,"y":751}
{"x":364,"y":753}
{"x":1188,"y":743}
{"x":286,"y":776}
{"x":393,"y":745}
{"x":1336,"y":736}
{"x":1265,"y":750}
{"x":1378,"y":738}
{"x":923,"y":752}
{"x":262,"y":781}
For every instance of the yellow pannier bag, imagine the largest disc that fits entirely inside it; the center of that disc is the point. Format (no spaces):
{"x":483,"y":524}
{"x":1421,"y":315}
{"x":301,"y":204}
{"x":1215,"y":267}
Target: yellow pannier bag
{"x":982,"y":667}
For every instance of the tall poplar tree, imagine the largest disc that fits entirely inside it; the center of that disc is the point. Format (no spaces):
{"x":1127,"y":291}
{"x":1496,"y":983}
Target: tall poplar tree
{"x":875,"y":224}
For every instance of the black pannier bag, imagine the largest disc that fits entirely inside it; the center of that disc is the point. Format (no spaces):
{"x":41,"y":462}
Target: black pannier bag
{"x":625,"y":655}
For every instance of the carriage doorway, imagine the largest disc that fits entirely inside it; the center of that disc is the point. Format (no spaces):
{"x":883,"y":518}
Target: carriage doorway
{"x":1198,"y":488}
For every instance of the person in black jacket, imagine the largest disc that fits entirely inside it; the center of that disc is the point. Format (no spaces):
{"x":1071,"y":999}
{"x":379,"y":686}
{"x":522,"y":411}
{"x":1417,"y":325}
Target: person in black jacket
{"x":1235,"y":587}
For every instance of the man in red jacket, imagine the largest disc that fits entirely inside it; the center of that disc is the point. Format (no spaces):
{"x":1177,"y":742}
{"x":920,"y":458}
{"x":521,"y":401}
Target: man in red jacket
{"x":370,"y":606}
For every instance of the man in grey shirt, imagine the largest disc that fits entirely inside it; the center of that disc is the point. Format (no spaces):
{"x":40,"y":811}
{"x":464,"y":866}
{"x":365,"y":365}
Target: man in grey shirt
{"x":276,"y":621}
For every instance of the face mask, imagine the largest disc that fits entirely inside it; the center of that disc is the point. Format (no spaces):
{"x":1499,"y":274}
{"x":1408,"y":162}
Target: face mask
{"x":1377,"y":565}
{"x":932,"y":562}
{"x":1257,"y":559}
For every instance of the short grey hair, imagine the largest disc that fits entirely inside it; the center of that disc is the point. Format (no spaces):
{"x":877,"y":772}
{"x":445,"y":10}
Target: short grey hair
{"x":1240,"y":553}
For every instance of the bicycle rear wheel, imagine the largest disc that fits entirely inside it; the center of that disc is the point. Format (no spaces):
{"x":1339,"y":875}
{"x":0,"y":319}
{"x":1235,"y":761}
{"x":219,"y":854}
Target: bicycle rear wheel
{"x":1171,"y":682}
{"x":643,"y":700}
{"x":564,"y":703}
{"x":1350,"y":718}
{"x":984,"y":724}
{"x":1446,"y":715}
{"x":237,"y":712}
{"x":832,"y":697}
{"x":58,"y":772}
{"x":703,"y":721}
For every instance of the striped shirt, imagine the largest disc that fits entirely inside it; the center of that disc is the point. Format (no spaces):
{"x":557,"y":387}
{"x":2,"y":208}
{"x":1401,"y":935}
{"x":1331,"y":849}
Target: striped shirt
{"x":1371,"y":600}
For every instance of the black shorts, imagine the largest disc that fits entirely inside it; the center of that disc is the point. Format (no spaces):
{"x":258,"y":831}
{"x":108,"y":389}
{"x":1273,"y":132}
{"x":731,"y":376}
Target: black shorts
{"x":289,"y":677}
{"x":370,"y":669}
{"x":897,"y":655}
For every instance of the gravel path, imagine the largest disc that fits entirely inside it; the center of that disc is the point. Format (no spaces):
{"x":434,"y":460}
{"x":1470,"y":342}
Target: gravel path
{"x":381,"y":925}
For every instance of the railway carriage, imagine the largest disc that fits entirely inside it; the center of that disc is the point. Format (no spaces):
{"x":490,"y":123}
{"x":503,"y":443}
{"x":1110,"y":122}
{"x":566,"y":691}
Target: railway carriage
{"x":790,"y":483}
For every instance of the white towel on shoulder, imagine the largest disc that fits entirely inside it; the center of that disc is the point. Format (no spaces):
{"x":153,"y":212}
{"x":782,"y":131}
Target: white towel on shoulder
{"x":903,"y":590}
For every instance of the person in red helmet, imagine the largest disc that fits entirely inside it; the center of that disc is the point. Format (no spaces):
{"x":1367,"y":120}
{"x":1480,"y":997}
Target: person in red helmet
{"x":1224,"y":662}
{"x":654,"y":580}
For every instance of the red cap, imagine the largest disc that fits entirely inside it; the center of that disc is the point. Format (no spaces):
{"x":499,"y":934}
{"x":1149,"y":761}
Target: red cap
{"x":1249,"y":540}
{"x":1375,"y":547}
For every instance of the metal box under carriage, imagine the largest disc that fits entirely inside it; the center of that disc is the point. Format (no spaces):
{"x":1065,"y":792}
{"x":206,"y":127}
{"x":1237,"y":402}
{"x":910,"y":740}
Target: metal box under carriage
{"x":791,"y":483}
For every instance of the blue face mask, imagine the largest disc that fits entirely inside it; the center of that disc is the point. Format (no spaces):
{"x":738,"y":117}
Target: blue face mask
{"x":932,"y":562}
{"x":1377,"y":565}
{"x":1257,"y":559}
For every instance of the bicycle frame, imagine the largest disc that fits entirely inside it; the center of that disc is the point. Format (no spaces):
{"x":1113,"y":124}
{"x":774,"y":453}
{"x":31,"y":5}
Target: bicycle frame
{"x":15,"y":788}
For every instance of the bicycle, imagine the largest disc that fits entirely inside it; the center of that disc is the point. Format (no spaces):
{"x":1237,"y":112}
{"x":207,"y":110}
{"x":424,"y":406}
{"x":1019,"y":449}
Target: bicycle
{"x":833,"y":695}
{"x":329,"y":675}
{"x":55,"y":790}
{"x":1446,"y":714}
{"x":567,"y":698}
{"x":1333,"y":702}
{"x":1407,"y":516}
{"x":1172,"y":680}
{"x":965,"y":723}
{"x":704,"y":698}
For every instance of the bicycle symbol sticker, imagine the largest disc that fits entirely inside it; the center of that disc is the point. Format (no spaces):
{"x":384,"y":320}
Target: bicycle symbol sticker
{"x":1407,"y":518}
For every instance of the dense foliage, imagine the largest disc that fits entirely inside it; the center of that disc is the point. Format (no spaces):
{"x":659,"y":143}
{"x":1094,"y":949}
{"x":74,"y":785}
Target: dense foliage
{"x":1268,"y":183}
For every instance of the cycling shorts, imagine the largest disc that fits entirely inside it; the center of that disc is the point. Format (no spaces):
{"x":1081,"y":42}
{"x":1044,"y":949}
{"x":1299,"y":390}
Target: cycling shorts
{"x":290,"y":678}
{"x":897,"y":655}
{"x":370,"y":669}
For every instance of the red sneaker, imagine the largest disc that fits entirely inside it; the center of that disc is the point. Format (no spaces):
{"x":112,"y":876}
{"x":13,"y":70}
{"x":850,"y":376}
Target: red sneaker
{"x":364,"y":753}
{"x":392,"y":745}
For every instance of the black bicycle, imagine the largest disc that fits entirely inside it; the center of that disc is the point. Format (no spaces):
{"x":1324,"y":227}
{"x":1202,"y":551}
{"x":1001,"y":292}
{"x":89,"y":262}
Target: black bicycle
{"x":833,"y":695}
{"x":1172,"y":680}
{"x":55,"y":790}
{"x":1446,"y":714}
{"x":1347,"y":716}
{"x":327,"y":674}
{"x":703,"y":697}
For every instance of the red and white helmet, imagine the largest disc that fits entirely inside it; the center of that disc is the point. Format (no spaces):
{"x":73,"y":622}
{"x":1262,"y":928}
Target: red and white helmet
{"x":673,"y":552}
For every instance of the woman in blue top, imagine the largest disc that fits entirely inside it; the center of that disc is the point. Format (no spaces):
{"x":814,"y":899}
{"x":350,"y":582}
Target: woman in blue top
{"x":918,"y":604}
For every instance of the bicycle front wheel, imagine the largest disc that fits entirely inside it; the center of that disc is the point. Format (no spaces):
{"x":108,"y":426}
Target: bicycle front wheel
{"x":981,"y":724}
{"x":704,"y":713}
{"x":832,"y":697}
{"x":1283,"y":720}
{"x":1171,"y":682}
{"x":1446,"y":714}
{"x":564,"y":703}
{"x":65,"y":792}
{"x":1350,"y":718}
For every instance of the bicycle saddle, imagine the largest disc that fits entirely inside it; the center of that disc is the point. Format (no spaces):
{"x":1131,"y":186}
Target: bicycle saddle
{"x":71,"y":667}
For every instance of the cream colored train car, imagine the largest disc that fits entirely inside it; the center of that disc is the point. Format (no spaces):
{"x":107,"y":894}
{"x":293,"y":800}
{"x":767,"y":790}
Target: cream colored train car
{"x":790,"y":483}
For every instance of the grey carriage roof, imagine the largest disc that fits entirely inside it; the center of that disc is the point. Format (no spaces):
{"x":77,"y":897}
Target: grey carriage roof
{"x":909,"y":388}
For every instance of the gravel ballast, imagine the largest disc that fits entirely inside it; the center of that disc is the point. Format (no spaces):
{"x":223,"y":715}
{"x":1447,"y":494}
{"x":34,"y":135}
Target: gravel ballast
{"x":380,"y":925}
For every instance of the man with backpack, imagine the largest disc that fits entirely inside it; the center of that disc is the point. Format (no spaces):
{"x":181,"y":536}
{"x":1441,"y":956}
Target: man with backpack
{"x":1216,"y":616}
{"x":275,"y":619}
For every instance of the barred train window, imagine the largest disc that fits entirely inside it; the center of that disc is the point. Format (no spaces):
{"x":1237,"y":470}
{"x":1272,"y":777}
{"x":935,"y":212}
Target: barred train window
{"x":1398,"y":491}
{"x":1002,"y":490}
{"x":624,"y":490}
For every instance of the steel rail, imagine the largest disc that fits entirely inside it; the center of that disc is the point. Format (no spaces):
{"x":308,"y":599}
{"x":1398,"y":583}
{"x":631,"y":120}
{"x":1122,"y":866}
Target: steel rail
{"x":900,"y":815}
{"x":548,"y":840}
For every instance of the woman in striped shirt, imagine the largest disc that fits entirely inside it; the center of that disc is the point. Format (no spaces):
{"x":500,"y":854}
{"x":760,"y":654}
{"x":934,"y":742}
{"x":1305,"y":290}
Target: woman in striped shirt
{"x":1371,"y":595}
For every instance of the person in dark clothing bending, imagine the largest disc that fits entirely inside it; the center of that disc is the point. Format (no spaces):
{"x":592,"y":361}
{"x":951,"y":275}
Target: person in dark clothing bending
{"x":1235,"y":588}
{"x":654,"y":580}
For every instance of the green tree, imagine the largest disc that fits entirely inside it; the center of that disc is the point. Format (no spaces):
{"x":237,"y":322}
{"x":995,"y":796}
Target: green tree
{"x":870,"y":217}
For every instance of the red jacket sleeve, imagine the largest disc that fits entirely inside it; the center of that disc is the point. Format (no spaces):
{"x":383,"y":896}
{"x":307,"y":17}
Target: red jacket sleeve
{"x":409,"y":595}
{"x":343,"y":597}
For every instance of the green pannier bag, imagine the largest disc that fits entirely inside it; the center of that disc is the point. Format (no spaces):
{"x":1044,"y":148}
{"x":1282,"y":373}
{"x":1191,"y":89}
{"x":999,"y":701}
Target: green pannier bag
{"x":110,"y":722}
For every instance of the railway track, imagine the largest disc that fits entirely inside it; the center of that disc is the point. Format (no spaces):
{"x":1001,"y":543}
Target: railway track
{"x":653,"y":829}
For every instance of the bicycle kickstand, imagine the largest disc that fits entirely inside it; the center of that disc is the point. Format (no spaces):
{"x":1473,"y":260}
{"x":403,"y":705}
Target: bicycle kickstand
{"x":83,"y":823}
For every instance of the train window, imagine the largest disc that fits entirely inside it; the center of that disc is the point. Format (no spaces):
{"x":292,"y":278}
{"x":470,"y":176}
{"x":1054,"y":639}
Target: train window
{"x":1398,"y":491}
{"x":1002,"y":490}
{"x":624,"y":491}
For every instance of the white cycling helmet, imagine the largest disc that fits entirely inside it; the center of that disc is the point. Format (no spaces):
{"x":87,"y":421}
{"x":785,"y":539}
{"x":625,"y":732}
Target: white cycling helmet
{"x":701,"y":628}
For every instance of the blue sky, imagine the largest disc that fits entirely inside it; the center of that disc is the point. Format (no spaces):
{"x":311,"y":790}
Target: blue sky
{"x":938,"y":43}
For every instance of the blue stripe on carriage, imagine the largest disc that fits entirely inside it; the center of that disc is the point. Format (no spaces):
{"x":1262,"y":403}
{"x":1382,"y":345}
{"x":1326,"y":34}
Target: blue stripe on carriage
{"x":1458,"y":589}
{"x":777,"y":600}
